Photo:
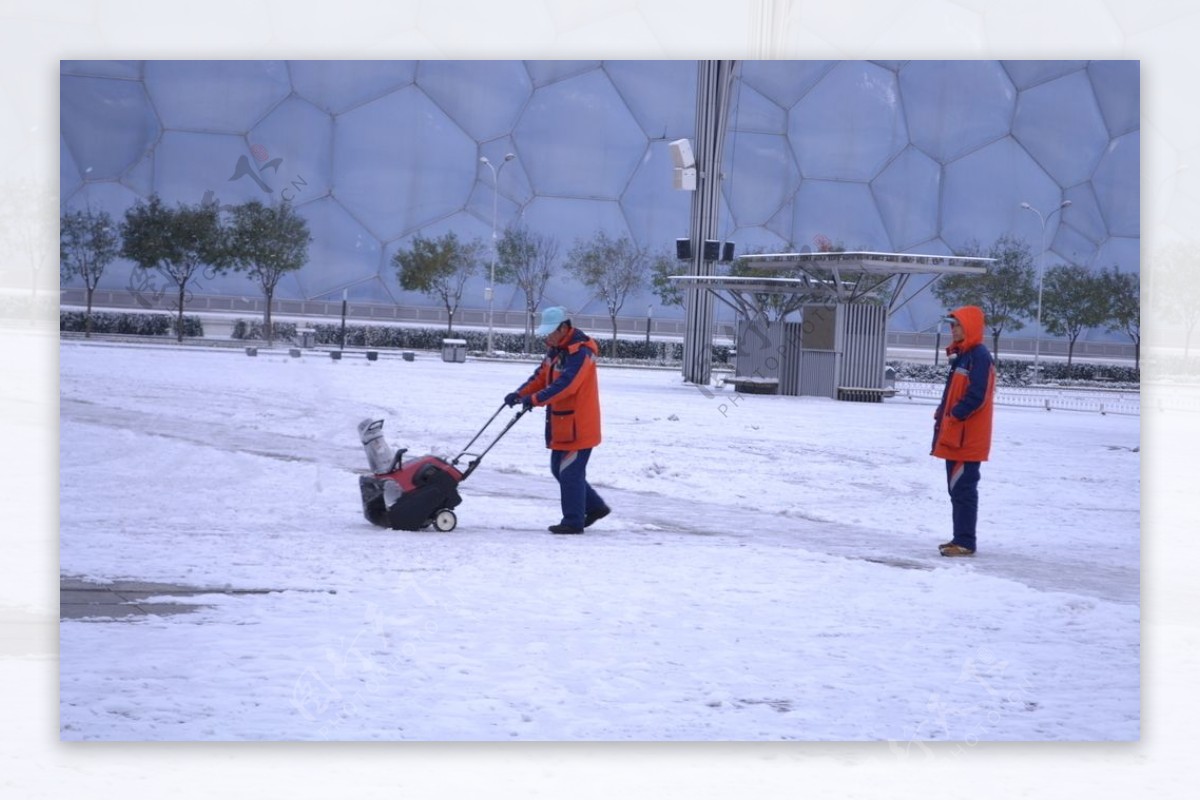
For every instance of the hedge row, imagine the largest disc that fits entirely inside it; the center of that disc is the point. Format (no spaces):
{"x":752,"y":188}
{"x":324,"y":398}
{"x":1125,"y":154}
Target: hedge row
{"x":358,"y":336}
{"x":285,"y":332}
{"x":151,"y":325}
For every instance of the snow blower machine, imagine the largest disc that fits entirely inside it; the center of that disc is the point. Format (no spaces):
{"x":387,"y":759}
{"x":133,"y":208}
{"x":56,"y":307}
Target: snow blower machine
{"x":421,"y":492}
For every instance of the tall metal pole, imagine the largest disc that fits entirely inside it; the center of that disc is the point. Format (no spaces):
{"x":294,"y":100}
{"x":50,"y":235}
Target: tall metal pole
{"x":491,"y":290}
{"x":714,"y":81}
{"x":1037,"y":342}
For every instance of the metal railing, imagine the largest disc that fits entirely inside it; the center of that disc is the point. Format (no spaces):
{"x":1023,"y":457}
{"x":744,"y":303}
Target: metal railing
{"x":515,"y":320}
{"x":1070,"y":399}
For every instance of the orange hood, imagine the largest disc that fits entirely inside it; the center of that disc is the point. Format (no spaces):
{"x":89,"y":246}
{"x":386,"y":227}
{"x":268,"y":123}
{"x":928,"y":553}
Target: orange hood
{"x":971,"y":319}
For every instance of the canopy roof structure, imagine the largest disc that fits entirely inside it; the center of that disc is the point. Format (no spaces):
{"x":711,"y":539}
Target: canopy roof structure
{"x":845,"y":277}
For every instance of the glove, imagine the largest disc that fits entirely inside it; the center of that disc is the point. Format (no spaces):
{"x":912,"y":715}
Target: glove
{"x":526,"y":403}
{"x":512,"y":399}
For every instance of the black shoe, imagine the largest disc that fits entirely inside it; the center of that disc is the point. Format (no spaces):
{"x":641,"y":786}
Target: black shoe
{"x":559,"y":528}
{"x":595,"y":515}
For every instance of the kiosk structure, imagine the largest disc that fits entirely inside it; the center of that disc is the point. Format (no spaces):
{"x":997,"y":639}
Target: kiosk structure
{"x":816,"y":323}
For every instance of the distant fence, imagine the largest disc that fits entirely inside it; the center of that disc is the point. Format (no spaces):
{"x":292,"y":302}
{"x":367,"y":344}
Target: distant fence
{"x":1083,"y":399}
{"x":597,"y":324}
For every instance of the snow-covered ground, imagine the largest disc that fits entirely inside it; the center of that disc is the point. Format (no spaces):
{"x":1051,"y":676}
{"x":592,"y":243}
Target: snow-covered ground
{"x":769,"y":571}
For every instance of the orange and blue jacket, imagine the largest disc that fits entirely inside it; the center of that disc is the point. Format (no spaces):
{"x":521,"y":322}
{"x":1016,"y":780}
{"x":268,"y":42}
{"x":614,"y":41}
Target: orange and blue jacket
{"x":962,"y":429}
{"x":566,"y":384}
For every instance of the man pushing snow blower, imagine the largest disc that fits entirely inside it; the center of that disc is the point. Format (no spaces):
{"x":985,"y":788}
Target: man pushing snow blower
{"x":566,"y":384}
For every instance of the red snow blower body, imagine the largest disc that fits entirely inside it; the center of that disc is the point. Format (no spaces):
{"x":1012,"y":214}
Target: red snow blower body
{"x":420,"y":493}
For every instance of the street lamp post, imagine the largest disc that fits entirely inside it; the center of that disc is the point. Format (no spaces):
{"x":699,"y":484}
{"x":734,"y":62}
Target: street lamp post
{"x":1037,"y":342}
{"x":491,"y":290}
{"x":342,"y":339}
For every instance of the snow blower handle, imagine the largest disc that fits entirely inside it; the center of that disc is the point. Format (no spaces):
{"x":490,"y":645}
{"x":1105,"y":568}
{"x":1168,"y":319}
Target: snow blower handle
{"x":475,"y":462}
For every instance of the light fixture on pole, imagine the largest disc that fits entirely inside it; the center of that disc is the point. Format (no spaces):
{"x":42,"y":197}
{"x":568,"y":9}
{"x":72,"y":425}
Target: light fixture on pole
{"x":491,"y":290}
{"x":1037,"y":342}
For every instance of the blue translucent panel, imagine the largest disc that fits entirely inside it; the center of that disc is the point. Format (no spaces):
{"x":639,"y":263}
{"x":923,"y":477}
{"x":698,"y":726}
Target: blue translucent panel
{"x":342,"y":252}
{"x":571,"y":220}
{"x":400,"y":163}
{"x":1124,"y":252}
{"x":785,"y":82}
{"x":758,"y":239}
{"x":907,"y":194}
{"x":338,"y":86}
{"x":1072,"y":246}
{"x":921,"y":310}
{"x":292,"y":150}
{"x":752,"y":111}
{"x":1084,"y":213}
{"x":760,"y":176}
{"x":1060,"y":124}
{"x":224,"y":96}
{"x":192,"y":166}
{"x":656,"y":212}
{"x":894,"y":66}
{"x":842,"y":211}
{"x":484,"y":202}
{"x":1030,"y":73}
{"x":577,"y":139}
{"x":103,"y":69}
{"x":120,"y":124}
{"x":661,"y":95}
{"x":1117,"y":85}
{"x":546,"y":72}
{"x":1117,"y":183}
{"x":482,"y":97}
{"x":983,"y":192}
{"x":956,"y":106}
{"x":590,"y":154}
{"x":850,"y":125}
{"x":781,"y":224}
{"x":68,"y":171}
{"x":373,"y":290}
{"x":140,"y":177}
{"x":1029,"y":228}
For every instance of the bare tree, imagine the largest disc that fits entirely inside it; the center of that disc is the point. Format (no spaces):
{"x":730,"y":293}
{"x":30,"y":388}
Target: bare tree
{"x":88,"y":241}
{"x":612,"y":268}
{"x":527,"y":259}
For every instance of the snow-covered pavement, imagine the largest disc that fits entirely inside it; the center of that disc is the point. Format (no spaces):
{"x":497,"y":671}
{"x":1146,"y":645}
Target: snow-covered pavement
{"x":769,"y":571}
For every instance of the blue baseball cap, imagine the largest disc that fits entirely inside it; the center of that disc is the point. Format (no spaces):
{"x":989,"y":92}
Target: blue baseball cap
{"x":552,"y":318}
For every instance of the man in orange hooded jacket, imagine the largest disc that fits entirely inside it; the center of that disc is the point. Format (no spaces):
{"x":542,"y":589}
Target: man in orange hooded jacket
{"x":565,"y":383}
{"x":962,"y":428}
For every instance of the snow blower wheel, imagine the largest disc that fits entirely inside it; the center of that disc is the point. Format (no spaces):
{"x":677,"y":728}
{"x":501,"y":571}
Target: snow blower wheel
{"x":445,"y":520}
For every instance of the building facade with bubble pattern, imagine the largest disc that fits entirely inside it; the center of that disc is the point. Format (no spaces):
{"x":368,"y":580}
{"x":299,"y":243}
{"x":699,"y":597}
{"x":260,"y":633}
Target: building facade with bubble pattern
{"x":899,"y":156}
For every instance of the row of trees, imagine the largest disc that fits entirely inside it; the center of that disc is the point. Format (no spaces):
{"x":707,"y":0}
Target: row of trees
{"x":181,"y":243}
{"x":613,"y":268}
{"x":1074,"y":297}
{"x":267,"y":242}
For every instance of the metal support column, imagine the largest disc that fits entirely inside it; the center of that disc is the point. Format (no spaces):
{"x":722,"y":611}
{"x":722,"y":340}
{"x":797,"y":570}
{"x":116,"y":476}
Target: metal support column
{"x":713,"y":87}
